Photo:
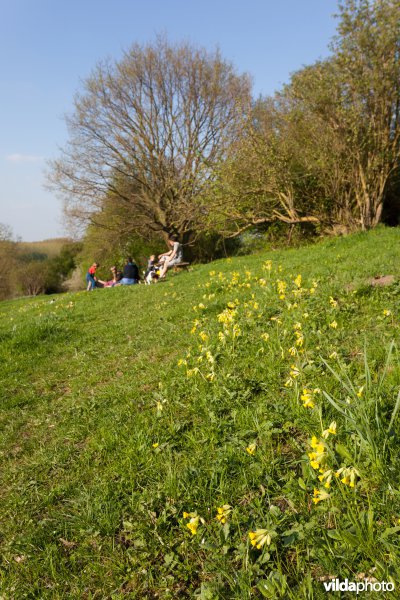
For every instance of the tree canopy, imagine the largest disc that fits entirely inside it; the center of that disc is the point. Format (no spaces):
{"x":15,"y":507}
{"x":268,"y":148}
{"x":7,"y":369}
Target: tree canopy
{"x":146,"y":133}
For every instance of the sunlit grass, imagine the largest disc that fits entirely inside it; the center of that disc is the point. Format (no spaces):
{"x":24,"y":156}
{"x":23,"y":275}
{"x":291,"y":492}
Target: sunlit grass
{"x":177,"y":440}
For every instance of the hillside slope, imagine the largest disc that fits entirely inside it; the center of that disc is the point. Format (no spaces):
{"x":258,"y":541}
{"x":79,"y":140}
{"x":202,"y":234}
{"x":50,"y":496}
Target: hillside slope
{"x":261,"y":390}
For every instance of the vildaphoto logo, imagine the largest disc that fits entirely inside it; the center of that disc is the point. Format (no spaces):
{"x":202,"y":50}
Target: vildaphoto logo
{"x":335,"y":585}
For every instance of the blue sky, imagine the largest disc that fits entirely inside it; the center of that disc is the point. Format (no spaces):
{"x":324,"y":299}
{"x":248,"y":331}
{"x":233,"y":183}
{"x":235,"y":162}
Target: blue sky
{"x":47,"y":47}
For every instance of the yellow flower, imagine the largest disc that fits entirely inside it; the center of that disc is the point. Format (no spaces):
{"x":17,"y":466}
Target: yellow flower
{"x":259,"y":537}
{"x":181,"y":362}
{"x":236,"y":331}
{"x":292,"y":351}
{"x":348,"y":475}
{"x":281,"y":287}
{"x":331,"y":430}
{"x":265,"y":337}
{"x":193,"y":522}
{"x":307,"y":399}
{"x":155,"y":445}
{"x":192,"y":372}
{"x":320,"y":495}
{"x":297,"y":281}
{"x":387,"y":312}
{"x":223,"y":513}
{"x":203,"y":336}
{"x":333,"y":355}
{"x":297,"y":326}
{"x":319,"y":455}
{"x":360,"y":391}
{"x":251,"y":449}
{"x":327,"y":478}
{"x":294,"y":372}
{"x":332,"y":302}
{"x":300,"y":339}
{"x":267,"y":266}
{"x":193,"y":525}
{"x":333,"y":325}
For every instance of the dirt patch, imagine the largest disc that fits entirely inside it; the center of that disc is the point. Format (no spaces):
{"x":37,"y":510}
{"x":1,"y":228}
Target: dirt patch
{"x":381,"y":280}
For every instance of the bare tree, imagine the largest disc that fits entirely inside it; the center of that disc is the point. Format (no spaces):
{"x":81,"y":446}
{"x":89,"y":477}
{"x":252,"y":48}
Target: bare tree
{"x":146,"y":132}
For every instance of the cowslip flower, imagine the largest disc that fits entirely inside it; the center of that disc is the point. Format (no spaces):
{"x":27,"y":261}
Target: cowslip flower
{"x":349,"y":475}
{"x":265,"y":337}
{"x":294,"y":371}
{"x":223,"y":513}
{"x":386,"y":312}
{"x":300,"y":339}
{"x":333,"y":325}
{"x":194,"y":521}
{"x":251,"y":449}
{"x":332,"y":302}
{"x":259,"y":537}
{"x":330,"y":431}
{"x":319,"y":455}
{"x":319,"y":495}
{"x":203,"y":336}
{"x":307,"y":399}
{"x":326,"y":478}
{"x":297,"y":281}
{"x":267,"y":266}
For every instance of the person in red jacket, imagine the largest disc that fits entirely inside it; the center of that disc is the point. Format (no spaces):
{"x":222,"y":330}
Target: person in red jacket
{"x":90,"y":277}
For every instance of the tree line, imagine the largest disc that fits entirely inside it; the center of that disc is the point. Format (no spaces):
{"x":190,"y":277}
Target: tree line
{"x":31,"y":269}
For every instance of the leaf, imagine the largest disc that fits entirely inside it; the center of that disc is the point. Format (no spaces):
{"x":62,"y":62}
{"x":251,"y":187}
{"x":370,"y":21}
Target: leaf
{"x":344,"y":452}
{"x":390,"y":531}
{"x":302,"y":484}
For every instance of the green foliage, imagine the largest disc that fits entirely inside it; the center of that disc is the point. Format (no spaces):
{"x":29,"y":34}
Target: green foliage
{"x":148,"y":431}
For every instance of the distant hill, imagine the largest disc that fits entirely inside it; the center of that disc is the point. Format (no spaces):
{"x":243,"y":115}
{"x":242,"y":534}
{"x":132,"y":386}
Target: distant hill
{"x":50,"y":247}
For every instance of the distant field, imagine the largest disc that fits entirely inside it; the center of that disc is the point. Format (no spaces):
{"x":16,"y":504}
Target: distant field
{"x":231,"y":433}
{"x":50,"y":247}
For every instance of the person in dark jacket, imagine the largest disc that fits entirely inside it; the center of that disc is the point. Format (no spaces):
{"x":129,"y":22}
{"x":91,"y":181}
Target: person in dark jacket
{"x":130,"y":273}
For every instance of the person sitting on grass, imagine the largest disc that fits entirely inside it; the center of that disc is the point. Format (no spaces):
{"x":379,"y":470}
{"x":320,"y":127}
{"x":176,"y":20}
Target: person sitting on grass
{"x":130,"y":273}
{"x":90,"y":277}
{"x":171,"y":258}
{"x":116,"y":277}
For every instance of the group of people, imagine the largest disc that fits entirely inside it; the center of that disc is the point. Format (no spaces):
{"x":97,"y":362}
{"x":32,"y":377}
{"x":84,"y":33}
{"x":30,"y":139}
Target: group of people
{"x":156,"y":269}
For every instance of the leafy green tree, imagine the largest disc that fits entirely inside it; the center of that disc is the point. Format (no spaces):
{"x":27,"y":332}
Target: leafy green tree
{"x":146,"y":133}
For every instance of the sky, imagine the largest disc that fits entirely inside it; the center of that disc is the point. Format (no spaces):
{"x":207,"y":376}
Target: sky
{"x":48,"y":47}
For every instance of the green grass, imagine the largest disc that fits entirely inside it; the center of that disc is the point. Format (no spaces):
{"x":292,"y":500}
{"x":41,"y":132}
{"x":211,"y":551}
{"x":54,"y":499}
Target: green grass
{"x":107,"y":441}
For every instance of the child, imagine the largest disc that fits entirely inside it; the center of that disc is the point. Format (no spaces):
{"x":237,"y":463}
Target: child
{"x":151,"y":273}
{"x":151,"y":265}
{"x":90,"y":277}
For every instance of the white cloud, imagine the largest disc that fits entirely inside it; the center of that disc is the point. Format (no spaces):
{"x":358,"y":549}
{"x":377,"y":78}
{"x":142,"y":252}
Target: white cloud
{"x":23,"y":158}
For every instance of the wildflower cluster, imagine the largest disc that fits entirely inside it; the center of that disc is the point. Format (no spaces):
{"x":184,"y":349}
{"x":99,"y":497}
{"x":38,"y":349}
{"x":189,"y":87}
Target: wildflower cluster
{"x":319,"y":457}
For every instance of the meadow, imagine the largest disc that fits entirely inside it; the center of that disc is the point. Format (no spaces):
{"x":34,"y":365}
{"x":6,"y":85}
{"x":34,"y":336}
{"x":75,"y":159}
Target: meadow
{"x":231,"y":433}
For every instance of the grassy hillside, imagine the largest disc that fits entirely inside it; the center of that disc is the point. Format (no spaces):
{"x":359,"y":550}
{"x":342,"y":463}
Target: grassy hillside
{"x":231,"y":433}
